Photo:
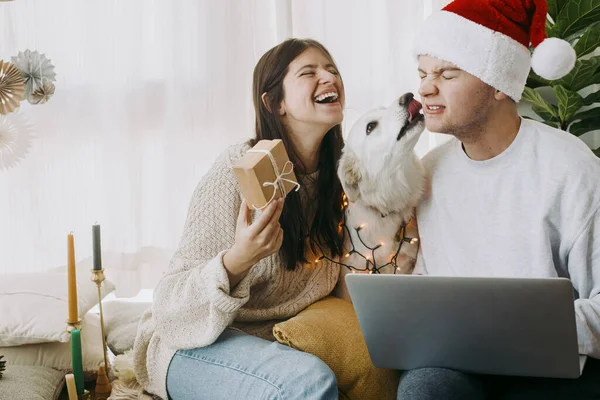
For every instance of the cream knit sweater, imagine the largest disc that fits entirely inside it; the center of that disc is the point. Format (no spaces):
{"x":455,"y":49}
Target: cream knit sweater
{"x":193,"y":303}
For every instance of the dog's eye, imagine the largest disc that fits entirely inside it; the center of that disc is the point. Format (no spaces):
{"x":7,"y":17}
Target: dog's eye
{"x":371,"y":126}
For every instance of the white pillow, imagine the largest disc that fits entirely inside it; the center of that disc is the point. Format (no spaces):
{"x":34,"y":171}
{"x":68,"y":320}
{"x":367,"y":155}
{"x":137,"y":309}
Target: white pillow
{"x":121,"y":319}
{"x":58,"y":355}
{"x":34,"y":307}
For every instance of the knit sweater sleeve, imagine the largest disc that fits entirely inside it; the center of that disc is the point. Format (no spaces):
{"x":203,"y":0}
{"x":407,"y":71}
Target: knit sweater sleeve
{"x":584,"y":270}
{"x":192,"y":302}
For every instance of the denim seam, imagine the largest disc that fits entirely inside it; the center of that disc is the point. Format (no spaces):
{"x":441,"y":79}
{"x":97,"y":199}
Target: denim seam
{"x":233,"y":368}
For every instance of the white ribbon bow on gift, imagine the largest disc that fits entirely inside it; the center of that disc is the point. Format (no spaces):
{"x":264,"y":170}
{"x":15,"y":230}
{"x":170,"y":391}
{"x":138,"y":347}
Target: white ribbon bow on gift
{"x":278,"y":182}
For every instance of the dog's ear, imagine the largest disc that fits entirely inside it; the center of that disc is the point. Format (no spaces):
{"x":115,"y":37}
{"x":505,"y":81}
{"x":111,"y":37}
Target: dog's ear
{"x":350,"y":174}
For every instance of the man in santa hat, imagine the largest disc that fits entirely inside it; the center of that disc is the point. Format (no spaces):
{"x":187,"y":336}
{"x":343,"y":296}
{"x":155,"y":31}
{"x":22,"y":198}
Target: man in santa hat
{"x":509,"y":196}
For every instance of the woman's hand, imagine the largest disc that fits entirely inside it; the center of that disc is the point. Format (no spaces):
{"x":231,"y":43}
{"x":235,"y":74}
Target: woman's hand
{"x":253,"y":240}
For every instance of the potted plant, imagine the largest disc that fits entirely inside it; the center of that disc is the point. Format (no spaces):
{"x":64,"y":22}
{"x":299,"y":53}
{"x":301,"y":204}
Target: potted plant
{"x":578,"y":22}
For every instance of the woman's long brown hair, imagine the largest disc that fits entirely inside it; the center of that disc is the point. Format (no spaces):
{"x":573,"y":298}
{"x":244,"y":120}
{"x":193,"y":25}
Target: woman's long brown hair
{"x":269,"y":73}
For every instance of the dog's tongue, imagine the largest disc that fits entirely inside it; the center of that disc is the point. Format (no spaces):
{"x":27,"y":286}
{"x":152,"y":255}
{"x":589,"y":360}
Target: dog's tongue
{"x":413,"y":108}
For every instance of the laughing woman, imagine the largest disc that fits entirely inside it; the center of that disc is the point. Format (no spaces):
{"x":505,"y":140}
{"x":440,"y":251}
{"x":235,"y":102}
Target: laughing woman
{"x":236,"y":272}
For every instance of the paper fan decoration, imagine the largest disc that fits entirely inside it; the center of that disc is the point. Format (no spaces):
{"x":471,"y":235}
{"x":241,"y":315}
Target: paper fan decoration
{"x":36,"y":70}
{"x":43,"y":94}
{"x":16,"y":135}
{"x":12,"y":87}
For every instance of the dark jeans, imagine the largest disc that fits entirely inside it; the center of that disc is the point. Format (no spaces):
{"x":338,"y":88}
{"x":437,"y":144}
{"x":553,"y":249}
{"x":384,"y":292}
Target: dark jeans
{"x":440,"y":383}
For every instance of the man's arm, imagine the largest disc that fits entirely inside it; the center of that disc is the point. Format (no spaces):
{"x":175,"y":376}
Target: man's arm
{"x":584,"y":269}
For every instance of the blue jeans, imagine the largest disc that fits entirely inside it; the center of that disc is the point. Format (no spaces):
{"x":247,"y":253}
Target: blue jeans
{"x":240,"y":366}
{"x":440,"y":383}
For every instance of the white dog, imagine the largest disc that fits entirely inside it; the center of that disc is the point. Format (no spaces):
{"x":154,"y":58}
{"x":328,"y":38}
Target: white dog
{"x":384,"y":181}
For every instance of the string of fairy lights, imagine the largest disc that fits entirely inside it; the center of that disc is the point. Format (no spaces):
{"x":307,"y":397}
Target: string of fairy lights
{"x":370,"y":260}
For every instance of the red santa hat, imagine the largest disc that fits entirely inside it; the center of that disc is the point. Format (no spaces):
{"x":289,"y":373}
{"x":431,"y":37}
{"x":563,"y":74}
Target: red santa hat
{"x":490,"y":40}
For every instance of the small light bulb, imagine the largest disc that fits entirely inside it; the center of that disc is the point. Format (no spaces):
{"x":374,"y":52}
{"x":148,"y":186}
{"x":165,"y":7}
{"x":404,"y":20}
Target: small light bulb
{"x":347,"y":255}
{"x":414,"y":240}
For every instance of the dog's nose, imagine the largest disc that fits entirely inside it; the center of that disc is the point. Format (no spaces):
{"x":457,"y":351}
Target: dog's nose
{"x":406,"y":99}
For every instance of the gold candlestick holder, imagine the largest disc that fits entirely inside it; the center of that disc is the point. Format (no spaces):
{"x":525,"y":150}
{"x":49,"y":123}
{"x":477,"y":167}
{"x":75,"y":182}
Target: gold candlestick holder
{"x":71,"y":326}
{"x":105,"y":388}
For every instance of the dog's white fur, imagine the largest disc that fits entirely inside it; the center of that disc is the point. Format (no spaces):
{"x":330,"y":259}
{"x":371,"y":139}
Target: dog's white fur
{"x":384,"y":181}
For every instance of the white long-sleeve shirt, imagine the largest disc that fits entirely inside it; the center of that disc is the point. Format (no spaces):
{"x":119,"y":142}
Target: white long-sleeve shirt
{"x":532,"y":211}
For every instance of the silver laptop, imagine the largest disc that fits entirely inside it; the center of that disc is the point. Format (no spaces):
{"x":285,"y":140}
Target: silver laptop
{"x":501,"y":326}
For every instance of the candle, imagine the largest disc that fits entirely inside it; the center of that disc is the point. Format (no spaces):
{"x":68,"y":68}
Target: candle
{"x":97,"y":247}
{"x":71,"y":389}
{"x":72,"y":281}
{"x":76,"y":360}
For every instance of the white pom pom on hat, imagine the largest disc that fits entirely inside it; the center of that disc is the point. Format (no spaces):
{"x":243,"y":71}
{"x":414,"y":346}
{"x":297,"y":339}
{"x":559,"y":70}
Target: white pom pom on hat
{"x":553,"y":58}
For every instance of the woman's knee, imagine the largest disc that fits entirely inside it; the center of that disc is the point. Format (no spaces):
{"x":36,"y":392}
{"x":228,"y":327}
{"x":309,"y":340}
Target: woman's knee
{"x":439,"y":383}
{"x":319,"y":370}
{"x":309,"y":377}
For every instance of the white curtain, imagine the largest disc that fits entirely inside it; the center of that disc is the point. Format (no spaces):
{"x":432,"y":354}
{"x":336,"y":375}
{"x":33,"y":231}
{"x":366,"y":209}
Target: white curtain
{"x":148,"y":92}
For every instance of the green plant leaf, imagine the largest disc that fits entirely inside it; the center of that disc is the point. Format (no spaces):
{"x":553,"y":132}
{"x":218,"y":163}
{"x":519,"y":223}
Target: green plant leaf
{"x":549,"y":123}
{"x":591,"y":99}
{"x":591,"y":113}
{"x":589,"y":41}
{"x":549,"y":26}
{"x":568,"y":103}
{"x":555,"y":7}
{"x":587,"y":124}
{"x":575,"y":16}
{"x":555,"y":125}
{"x":582,"y":75}
{"x":541,"y":107}
{"x":547,"y":116}
{"x":536,"y":81}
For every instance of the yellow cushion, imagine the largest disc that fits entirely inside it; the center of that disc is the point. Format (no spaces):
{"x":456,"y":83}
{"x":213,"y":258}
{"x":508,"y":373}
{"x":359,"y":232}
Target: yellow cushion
{"x":329,"y":330}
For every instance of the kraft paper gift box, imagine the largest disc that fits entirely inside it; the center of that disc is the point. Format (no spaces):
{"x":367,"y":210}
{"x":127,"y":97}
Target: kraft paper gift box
{"x":257,"y":173}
